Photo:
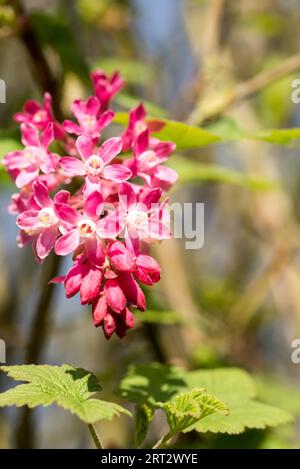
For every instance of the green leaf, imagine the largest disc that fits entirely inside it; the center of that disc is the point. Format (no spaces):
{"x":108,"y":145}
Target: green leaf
{"x":278,"y":136}
{"x":143,"y":417}
{"x":152,"y":383}
{"x":69,"y":387}
{"x":158,"y":384}
{"x":191,"y":171}
{"x":185,"y":136}
{"x":238,"y":390}
{"x":247,"y":414}
{"x":186,"y":409}
{"x":228,"y":384}
{"x":277,"y":392}
{"x":227,"y":129}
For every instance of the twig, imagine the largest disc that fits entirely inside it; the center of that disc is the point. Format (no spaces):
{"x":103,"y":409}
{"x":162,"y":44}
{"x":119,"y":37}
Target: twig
{"x":245,"y":90}
{"x":95,"y":436}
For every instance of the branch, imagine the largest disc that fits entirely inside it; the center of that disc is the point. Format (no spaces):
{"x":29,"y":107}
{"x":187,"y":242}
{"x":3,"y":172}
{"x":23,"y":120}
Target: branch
{"x":246,"y":89}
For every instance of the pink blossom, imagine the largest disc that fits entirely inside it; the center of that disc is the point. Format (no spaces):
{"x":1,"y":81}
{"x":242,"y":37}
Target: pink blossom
{"x":141,"y":216}
{"x":40,"y":221}
{"x":87,"y":114}
{"x":148,"y":156}
{"x":105,"y":222}
{"x":81,"y":228}
{"x":39,"y":115}
{"x":106,"y":87}
{"x":26,"y":164}
{"x":96,"y":163}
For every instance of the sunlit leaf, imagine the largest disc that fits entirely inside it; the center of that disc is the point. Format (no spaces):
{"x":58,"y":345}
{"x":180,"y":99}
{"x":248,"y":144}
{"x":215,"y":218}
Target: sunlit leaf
{"x":68,"y":387}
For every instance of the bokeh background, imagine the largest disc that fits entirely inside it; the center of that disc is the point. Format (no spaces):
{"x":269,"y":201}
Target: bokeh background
{"x":236,"y":301}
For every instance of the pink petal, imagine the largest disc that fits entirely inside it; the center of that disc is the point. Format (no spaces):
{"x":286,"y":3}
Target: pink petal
{"x":62,"y":197}
{"x":92,"y":184}
{"x":73,"y":279}
{"x":67,"y":243}
{"x":120,"y":257}
{"x":105,"y":119}
{"x":58,"y":279}
{"x":164,"y":149}
{"x":157,"y":229}
{"x":93,"y":205}
{"x":30,"y":135}
{"x":115,"y":296}
{"x":127,"y":195}
{"x":99,"y":311}
{"x":29,"y":220}
{"x":84,"y":146}
{"x":72,"y":166}
{"x":109,"y":325}
{"x":47,"y":135}
{"x":148,"y":270}
{"x":46,"y":241}
{"x":26,"y":176}
{"x":41,"y":194}
{"x":92,"y":105}
{"x":67,"y":214}
{"x":164,"y":177}
{"x":116,"y":173}
{"x":71,"y":127}
{"x":110,"y":149}
{"x":142,"y":142}
{"x":150,"y":196}
{"x":132,"y":291}
{"x":90,"y":285}
{"x":94,"y":251}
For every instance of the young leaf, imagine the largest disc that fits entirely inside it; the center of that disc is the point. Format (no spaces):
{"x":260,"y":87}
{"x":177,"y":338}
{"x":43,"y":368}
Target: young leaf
{"x":69,"y":387}
{"x":143,"y":417}
{"x":188,"y":408}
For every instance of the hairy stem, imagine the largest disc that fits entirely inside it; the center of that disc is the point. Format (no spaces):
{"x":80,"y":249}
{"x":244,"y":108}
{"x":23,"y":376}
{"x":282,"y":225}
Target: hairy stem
{"x":95,"y":436}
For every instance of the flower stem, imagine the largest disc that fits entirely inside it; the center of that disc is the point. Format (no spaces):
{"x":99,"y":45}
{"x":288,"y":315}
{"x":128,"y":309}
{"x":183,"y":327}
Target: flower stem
{"x":95,"y":436}
{"x":163,"y":441}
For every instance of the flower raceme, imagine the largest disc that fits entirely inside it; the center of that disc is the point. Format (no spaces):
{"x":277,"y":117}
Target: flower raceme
{"x":103,"y":201}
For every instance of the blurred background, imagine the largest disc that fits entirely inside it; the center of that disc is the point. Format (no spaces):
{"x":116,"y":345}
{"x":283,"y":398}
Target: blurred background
{"x":236,"y":301}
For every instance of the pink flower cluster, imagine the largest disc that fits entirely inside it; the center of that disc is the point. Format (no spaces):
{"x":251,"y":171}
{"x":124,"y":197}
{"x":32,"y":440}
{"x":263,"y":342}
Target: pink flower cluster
{"x":113,"y":209}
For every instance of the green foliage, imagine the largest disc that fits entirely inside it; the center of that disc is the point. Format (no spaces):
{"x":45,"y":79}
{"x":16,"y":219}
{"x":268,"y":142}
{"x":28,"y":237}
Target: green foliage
{"x":224,"y":399}
{"x":188,"y":408}
{"x":69,"y":387}
{"x":185,"y":136}
{"x":143,"y":417}
{"x":278,"y":136}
